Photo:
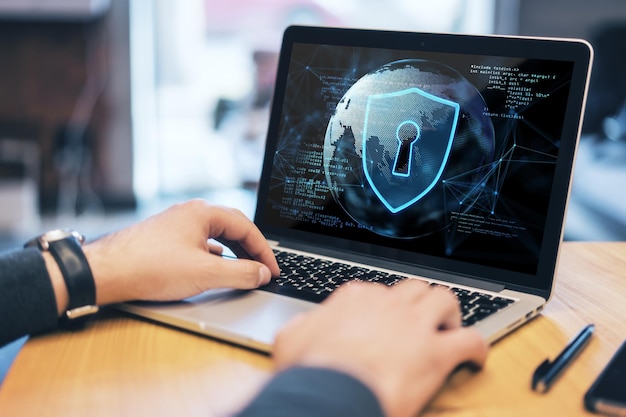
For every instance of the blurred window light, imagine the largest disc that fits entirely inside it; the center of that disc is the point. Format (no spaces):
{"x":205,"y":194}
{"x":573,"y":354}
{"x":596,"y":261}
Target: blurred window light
{"x":203,"y":74}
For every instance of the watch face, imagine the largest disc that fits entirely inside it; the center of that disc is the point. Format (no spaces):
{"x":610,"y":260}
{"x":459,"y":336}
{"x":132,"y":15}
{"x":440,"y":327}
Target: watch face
{"x":59,"y":234}
{"x":43,"y":241}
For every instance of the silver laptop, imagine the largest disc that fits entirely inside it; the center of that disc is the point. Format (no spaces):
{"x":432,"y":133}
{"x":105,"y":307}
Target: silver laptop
{"x":394,"y":155}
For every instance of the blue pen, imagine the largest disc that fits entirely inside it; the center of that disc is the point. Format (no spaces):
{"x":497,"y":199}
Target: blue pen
{"x":547,"y":372}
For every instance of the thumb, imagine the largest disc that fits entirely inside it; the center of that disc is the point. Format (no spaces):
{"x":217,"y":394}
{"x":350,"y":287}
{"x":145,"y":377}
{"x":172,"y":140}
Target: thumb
{"x":239,"y":273}
{"x":466,"y":345}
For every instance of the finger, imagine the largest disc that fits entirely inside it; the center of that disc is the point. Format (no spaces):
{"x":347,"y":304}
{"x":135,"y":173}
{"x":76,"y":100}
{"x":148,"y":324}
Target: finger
{"x":294,"y":322}
{"x":238,"y":273}
{"x":215,"y":249}
{"x":411,"y":284}
{"x":236,"y":248}
{"x":292,"y":325}
{"x":465,"y":345}
{"x":357,"y":289}
{"x":288,"y":342}
{"x":411,"y":290}
{"x":442,"y":308}
{"x":255,"y":250}
{"x":227,"y":225}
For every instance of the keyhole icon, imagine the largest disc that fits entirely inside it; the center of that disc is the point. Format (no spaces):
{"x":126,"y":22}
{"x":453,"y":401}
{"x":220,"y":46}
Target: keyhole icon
{"x":407,"y":133}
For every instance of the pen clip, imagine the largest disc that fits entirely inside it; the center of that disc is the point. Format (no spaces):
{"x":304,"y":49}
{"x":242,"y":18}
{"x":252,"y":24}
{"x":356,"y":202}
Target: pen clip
{"x":538,"y":383}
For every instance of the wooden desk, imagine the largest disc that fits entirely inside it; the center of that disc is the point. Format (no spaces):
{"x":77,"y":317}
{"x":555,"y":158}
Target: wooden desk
{"x":121,"y":366}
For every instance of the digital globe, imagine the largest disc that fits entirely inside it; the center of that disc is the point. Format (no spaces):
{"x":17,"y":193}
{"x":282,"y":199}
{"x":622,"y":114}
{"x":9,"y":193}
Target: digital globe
{"x":406,"y":143}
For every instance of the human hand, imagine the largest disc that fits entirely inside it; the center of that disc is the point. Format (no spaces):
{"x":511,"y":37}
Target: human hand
{"x":167,"y":257}
{"x":401,"y":341}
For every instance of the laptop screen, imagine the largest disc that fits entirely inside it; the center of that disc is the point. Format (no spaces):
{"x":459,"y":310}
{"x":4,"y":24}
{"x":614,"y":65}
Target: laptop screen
{"x":452,"y":159}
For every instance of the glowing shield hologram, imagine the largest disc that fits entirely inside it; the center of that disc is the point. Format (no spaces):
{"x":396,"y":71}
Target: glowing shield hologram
{"x":400,"y":192}
{"x":407,"y":137}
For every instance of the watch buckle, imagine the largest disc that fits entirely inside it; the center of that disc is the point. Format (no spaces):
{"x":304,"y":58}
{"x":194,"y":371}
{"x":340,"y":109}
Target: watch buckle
{"x":82,"y":311}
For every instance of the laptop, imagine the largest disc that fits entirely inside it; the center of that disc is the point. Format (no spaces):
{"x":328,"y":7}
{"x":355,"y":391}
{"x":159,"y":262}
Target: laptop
{"x":395,"y":155}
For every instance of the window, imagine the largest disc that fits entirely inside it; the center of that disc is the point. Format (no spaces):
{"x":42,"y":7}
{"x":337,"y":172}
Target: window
{"x":203,"y":74}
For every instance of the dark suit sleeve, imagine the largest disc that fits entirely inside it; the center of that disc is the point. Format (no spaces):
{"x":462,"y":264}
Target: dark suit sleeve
{"x":27,"y":301}
{"x":313,"y":392}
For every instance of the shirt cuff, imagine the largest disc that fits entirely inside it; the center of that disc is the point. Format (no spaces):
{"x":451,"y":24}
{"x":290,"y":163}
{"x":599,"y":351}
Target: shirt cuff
{"x":27,"y":301}
{"x":308,"y":392}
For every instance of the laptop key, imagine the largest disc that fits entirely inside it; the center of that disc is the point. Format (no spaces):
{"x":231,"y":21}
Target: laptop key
{"x":315,"y":279}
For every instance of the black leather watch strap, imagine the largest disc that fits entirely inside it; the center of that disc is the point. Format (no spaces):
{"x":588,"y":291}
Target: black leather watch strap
{"x":65,"y":247}
{"x":76,"y":272}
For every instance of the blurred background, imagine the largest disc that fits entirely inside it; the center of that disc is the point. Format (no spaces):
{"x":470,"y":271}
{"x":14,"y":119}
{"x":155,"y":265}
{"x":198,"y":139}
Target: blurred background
{"x":111,"y":110}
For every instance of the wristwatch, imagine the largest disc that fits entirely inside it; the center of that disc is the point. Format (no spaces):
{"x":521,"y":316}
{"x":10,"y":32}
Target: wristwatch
{"x":66,"y":247}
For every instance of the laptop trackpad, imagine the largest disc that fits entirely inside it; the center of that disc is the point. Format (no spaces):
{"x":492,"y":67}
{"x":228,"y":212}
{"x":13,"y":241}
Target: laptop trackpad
{"x":250,"y":318}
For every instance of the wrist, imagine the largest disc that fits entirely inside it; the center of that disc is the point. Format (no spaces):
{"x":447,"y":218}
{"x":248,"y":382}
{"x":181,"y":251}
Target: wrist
{"x":101,"y":271}
{"x":107,"y":270}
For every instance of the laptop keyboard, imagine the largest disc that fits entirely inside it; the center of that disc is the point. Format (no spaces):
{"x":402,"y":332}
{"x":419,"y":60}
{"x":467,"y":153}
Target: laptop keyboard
{"x":314,"y":279}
